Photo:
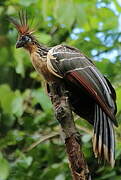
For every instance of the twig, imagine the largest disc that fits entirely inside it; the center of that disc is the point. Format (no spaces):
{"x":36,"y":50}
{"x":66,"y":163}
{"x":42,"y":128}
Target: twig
{"x":52,"y":135}
{"x":42,"y":139}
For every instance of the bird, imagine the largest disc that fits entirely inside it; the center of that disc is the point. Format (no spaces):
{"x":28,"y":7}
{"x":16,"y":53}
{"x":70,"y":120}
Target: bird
{"x":91,"y":94}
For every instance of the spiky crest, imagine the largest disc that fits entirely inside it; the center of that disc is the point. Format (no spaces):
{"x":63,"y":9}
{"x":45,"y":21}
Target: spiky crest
{"x":22,"y":23}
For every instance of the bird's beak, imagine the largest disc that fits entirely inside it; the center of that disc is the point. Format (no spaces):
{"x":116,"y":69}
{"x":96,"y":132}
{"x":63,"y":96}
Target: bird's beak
{"x":19,"y":44}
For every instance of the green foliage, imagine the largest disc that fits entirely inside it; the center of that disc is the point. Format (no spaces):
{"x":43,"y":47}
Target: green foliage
{"x":4,"y":168}
{"x":26,"y":114}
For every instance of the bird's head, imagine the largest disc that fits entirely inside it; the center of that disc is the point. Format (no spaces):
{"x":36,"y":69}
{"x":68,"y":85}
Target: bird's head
{"x":25,"y":38}
{"x":24,"y":41}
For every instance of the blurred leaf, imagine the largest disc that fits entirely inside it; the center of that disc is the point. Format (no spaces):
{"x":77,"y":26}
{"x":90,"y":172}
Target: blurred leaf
{"x":22,"y":61}
{"x":107,"y":16}
{"x":43,"y":99}
{"x":118,"y":150}
{"x":43,"y":37}
{"x":86,"y":138}
{"x":62,"y":12}
{"x":118,"y":94}
{"x":11,"y":102}
{"x":12,"y":138}
{"x":27,"y":2}
{"x":108,"y":175}
{"x":4,"y":168}
{"x":25,"y":162}
{"x":6,"y":98}
{"x":17,"y":104}
{"x":60,"y":177}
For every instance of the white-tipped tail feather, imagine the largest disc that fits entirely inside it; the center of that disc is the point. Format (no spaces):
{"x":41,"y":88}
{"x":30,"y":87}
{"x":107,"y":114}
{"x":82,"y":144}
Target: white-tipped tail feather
{"x":103,"y":139}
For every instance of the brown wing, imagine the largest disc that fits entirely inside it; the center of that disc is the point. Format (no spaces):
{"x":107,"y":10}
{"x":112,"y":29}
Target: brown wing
{"x":69,"y":63}
{"x":91,"y":96}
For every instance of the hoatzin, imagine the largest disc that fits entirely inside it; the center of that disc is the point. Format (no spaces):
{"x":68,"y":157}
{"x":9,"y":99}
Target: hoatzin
{"x":91,"y":95}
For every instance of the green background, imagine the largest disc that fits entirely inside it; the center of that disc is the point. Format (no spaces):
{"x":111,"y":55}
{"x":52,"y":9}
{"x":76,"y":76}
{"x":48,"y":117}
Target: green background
{"x":30,"y":147}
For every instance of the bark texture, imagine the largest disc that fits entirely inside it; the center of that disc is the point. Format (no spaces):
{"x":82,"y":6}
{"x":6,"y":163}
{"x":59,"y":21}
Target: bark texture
{"x":63,"y":113}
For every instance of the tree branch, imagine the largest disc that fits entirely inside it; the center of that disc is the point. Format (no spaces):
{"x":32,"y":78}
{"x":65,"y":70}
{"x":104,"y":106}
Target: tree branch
{"x":59,"y":98}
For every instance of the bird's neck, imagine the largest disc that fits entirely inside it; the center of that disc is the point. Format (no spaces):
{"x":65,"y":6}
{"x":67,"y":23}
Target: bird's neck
{"x":36,"y":47}
{"x":42,"y":50}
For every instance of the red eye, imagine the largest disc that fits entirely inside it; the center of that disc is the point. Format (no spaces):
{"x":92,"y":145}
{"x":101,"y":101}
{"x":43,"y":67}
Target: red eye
{"x":26,"y":39}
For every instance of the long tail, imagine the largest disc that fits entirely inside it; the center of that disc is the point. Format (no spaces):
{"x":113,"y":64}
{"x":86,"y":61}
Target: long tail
{"x":103,"y":139}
